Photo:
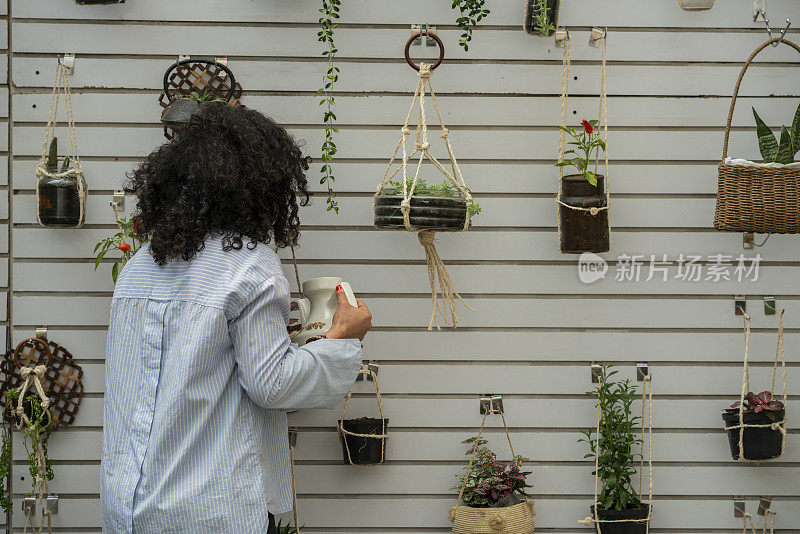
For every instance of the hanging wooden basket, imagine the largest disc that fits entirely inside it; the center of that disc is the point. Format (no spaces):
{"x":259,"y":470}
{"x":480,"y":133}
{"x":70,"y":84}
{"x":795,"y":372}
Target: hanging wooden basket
{"x":696,"y":5}
{"x":756,"y":198}
{"x":188,"y":76}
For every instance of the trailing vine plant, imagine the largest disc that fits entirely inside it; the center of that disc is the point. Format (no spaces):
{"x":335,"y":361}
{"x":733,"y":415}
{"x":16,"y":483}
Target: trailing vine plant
{"x":472,"y":12}
{"x":5,"y":467}
{"x":36,"y":435}
{"x":330,"y":12}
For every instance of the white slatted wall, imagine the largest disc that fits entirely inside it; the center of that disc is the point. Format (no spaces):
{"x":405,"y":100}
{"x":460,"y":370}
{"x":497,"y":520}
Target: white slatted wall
{"x":537,"y":327}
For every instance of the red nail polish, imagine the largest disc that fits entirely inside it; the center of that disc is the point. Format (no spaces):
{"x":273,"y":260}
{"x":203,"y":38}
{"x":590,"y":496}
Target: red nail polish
{"x":338,"y":288}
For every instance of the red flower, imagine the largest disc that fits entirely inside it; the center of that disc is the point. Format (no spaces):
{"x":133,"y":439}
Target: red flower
{"x":587,"y":126}
{"x":124,"y":247}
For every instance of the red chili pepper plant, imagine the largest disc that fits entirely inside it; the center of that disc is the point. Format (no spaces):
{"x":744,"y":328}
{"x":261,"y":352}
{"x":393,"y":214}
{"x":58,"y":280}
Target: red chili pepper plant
{"x":584,"y":141}
{"x":124,"y":240}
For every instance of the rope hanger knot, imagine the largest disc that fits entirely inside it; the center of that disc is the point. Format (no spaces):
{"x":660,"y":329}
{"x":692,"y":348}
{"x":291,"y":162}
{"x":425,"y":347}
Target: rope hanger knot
{"x":445,"y":133}
{"x":39,"y":371}
{"x":422,"y":146}
{"x":424,"y":70}
{"x":405,"y":130}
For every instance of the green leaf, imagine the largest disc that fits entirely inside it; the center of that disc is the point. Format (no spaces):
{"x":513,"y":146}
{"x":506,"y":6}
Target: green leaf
{"x":767,"y":144}
{"x":796,"y":132}
{"x":785,"y":153}
{"x":115,"y":272}
{"x":590,"y":177}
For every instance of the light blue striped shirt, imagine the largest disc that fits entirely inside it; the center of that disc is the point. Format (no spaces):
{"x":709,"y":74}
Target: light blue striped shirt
{"x":199,"y":375}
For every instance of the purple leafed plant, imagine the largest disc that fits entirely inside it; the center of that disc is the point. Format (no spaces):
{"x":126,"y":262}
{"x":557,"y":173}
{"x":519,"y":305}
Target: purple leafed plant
{"x":763,"y":402}
{"x":491,"y":482}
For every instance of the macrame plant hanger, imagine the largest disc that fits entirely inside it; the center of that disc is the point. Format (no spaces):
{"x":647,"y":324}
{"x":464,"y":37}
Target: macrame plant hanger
{"x":602,"y":118}
{"x":61,"y":84}
{"x":437,"y":271}
{"x":779,"y":357}
{"x":647,"y":410}
{"x":767,"y":527}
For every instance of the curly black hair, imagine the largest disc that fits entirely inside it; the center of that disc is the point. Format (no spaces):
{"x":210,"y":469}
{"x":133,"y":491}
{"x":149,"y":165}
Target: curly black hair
{"x":231,"y":171}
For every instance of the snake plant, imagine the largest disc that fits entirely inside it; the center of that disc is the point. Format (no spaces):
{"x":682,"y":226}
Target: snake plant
{"x":773,"y":150}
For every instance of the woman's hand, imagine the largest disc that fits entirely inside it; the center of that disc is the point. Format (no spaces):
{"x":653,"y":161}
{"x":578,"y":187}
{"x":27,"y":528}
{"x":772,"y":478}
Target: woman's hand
{"x":349,"y":322}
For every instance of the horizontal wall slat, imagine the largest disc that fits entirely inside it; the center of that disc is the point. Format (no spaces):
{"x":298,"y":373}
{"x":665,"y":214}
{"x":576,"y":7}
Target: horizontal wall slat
{"x":396,"y":76}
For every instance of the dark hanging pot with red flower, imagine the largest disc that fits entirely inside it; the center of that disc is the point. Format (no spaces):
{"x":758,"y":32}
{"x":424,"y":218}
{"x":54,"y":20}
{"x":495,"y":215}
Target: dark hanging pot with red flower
{"x":583,"y":196}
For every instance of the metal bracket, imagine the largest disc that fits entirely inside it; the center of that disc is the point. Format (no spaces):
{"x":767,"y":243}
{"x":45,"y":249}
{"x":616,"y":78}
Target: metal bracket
{"x":739,"y":305}
{"x":293,"y":431}
{"x":29,"y":502}
{"x":41,"y":332}
{"x":642,"y":370}
{"x":425,"y":29}
{"x":562,"y":36}
{"x":597,"y":35}
{"x":764,"y":505}
{"x":491,"y":404}
{"x":68,"y":60}
{"x":597,"y":372}
{"x":369,"y":366}
{"x":748,"y":240}
{"x":118,"y":200}
{"x":769,"y":305}
{"x":739,"y":508}
{"x":181,"y":57}
{"x":51,"y":503}
{"x":222,"y":61}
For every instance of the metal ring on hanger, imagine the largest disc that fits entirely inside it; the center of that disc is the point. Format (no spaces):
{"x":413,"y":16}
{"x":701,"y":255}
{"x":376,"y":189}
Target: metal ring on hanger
{"x":417,"y":36}
{"x":178,"y":63}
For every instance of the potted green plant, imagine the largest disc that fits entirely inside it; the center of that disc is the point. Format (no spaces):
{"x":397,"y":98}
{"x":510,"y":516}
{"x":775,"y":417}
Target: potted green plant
{"x":541,"y":17}
{"x":764,"y":440}
{"x":493,"y":494}
{"x":433,"y":207}
{"x":619,"y":507}
{"x":61,"y":193}
{"x":183,"y":107}
{"x":288,"y":528}
{"x":583,"y":199}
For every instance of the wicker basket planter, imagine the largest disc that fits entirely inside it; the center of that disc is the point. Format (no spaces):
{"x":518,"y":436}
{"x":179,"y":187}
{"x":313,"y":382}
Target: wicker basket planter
{"x":583,"y":231}
{"x":754,"y":198}
{"x":516,"y":519}
{"x":696,"y":5}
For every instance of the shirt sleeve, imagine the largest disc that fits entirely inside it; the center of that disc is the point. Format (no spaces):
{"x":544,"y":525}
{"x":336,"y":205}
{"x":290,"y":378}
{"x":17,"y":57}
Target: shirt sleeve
{"x":276,"y":373}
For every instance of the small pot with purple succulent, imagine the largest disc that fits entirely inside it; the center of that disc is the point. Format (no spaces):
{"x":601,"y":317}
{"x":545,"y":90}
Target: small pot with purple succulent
{"x":760,"y":422}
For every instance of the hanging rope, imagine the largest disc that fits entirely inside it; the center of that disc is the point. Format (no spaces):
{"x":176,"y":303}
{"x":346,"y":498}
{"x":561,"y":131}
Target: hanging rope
{"x":769,"y":523}
{"x":647,"y":400}
{"x":61,"y":84}
{"x":438,"y":277}
{"x":779,"y":426}
{"x":294,"y":491}
{"x":383,"y":436}
{"x":602,"y":119}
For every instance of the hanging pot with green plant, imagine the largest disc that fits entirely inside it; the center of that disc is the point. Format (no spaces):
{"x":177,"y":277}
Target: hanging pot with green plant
{"x":541,"y":17}
{"x":433,"y":207}
{"x":182,"y":106}
{"x":613,"y":444}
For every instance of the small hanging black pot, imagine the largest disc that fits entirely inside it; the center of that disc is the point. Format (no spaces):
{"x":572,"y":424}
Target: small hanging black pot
{"x":428,"y":211}
{"x":359,"y":450}
{"x":532,"y":10}
{"x":580,"y":230}
{"x":757,"y":443}
{"x":629,"y":527}
{"x":180,"y":110}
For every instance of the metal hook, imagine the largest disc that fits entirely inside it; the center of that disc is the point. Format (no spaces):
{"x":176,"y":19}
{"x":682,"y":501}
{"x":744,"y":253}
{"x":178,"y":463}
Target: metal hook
{"x":562,"y":37}
{"x":597,"y":35}
{"x":763,"y":13}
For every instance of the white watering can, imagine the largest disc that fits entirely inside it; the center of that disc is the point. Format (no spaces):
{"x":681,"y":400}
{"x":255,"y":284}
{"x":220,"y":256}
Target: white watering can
{"x":318,"y":305}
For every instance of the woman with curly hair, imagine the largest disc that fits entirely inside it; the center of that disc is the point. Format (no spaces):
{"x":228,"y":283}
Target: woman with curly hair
{"x":200,"y":370}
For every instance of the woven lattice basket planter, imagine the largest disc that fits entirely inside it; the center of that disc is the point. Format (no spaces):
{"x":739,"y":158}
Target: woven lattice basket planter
{"x":756,"y":198}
